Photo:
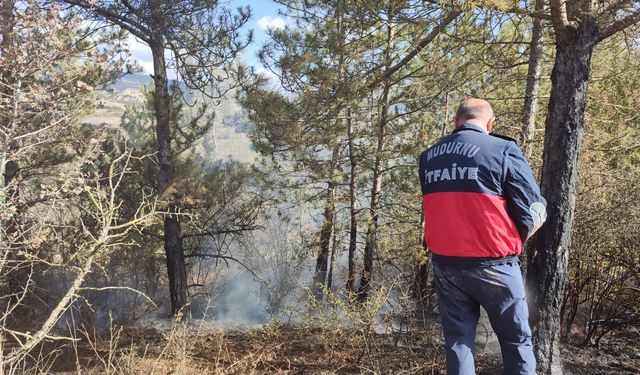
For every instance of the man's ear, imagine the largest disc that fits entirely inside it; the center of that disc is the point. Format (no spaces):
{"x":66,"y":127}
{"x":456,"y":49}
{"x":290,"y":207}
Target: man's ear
{"x":490,"y":124}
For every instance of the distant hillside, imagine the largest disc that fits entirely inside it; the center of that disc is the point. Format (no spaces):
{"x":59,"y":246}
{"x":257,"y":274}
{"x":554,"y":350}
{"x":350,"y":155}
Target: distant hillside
{"x":228,"y":137}
{"x":131,"y":81}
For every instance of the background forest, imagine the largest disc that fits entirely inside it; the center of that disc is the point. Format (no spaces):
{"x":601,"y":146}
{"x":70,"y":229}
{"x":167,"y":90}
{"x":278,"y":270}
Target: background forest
{"x":224,"y":214}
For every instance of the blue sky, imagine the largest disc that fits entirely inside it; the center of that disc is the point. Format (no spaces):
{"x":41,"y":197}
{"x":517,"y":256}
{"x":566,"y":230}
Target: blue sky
{"x":264,"y":15}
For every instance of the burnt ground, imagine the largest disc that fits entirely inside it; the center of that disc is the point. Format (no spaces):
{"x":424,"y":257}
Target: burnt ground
{"x":280,"y":349}
{"x":618,"y":353}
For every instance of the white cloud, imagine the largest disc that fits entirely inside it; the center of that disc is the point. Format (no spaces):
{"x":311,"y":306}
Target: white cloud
{"x":267,"y":23}
{"x":273,"y":81}
{"x":136,"y":46}
{"x":141,"y":53}
{"x":147,"y":66}
{"x":266,"y":73}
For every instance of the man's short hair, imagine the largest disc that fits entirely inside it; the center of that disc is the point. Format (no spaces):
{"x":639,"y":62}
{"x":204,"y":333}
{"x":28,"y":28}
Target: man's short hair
{"x":472,"y":109}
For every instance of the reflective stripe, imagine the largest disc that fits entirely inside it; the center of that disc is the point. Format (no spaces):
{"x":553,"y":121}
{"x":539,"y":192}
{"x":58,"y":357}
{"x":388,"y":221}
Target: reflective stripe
{"x":538,"y":213}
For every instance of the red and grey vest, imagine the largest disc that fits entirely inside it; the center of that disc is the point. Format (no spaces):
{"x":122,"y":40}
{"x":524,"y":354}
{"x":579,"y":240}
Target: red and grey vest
{"x":479,"y":197}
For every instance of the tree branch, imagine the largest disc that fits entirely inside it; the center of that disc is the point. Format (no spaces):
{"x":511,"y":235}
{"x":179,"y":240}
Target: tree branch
{"x":225,"y":258}
{"x":519,"y":11}
{"x":559,"y":14}
{"x":131,"y":26}
{"x":504,"y":9}
{"x":60,"y":308}
{"x":241,"y":229}
{"x":612,"y":6}
{"x":620,"y":25}
{"x":452,"y":15}
{"x":28,"y":336}
{"x":125,"y":288}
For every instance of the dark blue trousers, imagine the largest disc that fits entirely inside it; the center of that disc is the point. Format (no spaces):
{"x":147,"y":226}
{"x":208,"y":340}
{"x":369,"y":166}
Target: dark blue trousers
{"x":497,"y":286}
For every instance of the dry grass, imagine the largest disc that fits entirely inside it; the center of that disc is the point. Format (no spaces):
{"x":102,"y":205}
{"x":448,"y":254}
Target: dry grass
{"x":281,"y":349}
{"x":285,"y":350}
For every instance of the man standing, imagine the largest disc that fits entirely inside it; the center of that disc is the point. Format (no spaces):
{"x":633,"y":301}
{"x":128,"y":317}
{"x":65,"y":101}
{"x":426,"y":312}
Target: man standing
{"x":480,"y":204}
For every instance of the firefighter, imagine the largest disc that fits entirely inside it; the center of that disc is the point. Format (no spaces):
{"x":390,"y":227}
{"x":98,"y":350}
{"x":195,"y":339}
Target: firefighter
{"x":480,"y":203}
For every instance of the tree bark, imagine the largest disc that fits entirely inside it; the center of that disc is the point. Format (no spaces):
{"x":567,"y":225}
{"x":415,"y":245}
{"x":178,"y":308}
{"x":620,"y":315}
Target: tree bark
{"x":353,"y":222}
{"x":371,"y":239}
{"x":548,"y":259}
{"x":332,"y":259}
{"x":10,"y":86}
{"x":421,"y":277}
{"x":176,"y":269}
{"x":322,"y":260}
{"x":533,"y":83}
{"x":6,"y":31}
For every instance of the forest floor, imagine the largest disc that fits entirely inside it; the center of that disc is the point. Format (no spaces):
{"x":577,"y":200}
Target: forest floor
{"x":278,"y":349}
{"x":617,"y":353}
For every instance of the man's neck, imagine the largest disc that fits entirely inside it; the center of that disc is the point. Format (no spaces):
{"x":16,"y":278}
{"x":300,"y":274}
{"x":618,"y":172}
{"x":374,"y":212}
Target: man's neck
{"x":475,"y":124}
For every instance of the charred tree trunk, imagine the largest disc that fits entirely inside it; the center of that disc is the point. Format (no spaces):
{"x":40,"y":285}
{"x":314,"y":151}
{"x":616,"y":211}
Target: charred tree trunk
{"x":353,"y":222}
{"x":533,"y":83}
{"x":322,"y":260}
{"x":176,"y":269}
{"x":547,"y":268}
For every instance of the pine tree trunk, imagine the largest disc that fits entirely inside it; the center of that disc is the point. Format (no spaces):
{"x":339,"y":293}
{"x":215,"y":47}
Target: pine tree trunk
{"x":353,"y":223}
{"x":6,"y":32}
{"x":17,"y":277}
{"x":548,"y":259}
{"x":332,"y":259}
{"x":371,"y":239}
{"x":176,"y":269}
{"x":322,"y":260}
{"x":533,"y":83}
{"x":421,"y":277}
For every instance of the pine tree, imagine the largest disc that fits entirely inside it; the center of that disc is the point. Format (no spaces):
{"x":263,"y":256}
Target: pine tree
{"x":578,"y":28}
{"x":202,"y":37}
